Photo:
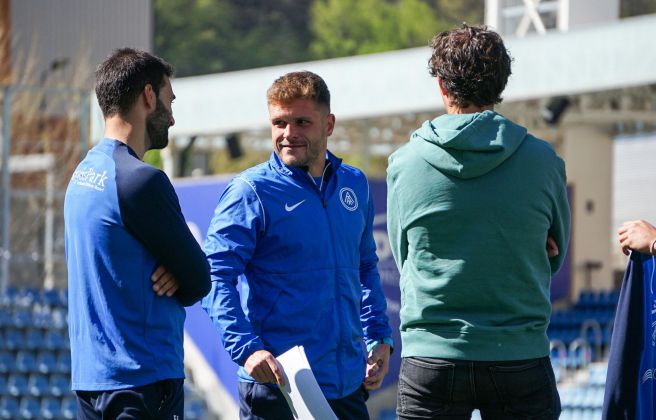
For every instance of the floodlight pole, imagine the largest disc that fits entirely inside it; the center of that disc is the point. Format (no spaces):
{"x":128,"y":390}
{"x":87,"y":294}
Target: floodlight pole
{"x":5,"y":253}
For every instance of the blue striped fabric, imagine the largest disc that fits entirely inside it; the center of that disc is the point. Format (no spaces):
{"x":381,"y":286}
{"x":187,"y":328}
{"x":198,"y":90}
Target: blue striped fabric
{"x":630,"y":389}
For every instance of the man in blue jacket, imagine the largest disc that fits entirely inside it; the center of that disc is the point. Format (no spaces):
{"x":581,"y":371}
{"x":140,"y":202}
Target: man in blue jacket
{"x":132,"y":262}
{"x":297,"y":232}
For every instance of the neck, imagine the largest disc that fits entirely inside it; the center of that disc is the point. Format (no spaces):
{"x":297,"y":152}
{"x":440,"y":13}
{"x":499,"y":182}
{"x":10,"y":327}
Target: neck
{"x":470,"y":109}
{"x":126,"y":131}
{"x":317,"y":169}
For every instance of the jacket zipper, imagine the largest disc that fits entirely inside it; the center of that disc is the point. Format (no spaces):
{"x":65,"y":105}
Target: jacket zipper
{"x":337,"y":294}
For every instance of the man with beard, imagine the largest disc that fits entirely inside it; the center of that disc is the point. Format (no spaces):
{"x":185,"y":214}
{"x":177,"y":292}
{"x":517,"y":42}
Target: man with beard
{"x":298,"y":232}
{"x":132,"y":262}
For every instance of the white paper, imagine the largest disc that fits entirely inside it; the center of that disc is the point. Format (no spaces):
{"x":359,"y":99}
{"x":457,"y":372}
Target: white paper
{"x":301,"y":389}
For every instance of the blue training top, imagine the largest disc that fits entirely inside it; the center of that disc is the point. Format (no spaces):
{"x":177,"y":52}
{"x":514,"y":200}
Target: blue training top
{"x":122,"y":220}
{"x":306,"y":260}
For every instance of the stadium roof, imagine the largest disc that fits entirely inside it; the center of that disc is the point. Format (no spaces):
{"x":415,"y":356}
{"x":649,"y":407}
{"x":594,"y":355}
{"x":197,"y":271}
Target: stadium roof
{"x":595,"y":58}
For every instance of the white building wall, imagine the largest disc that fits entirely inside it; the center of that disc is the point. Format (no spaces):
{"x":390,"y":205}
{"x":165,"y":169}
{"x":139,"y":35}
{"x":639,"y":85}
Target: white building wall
{"x":82,"y":31}
{"x":634,"y":181}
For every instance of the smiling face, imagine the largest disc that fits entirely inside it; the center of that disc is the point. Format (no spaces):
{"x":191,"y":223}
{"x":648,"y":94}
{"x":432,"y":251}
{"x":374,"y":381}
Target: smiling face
{"x":300,"y":131}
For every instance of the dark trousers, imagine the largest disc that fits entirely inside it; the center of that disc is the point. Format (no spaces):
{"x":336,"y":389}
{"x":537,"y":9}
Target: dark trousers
{"x":160,"y":400}
{"x":451,"y":389}
{"x":265,"y":402}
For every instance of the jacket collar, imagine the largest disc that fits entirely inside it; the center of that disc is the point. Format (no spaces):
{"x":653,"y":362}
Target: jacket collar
{"x":280,"y":166}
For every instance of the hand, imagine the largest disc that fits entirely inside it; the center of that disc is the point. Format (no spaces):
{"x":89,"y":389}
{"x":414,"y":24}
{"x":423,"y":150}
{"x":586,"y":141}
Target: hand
{"x":377,"y":366}
{"x":636,"y":235}
{"x":163,"y":282}
{"x":263,"y":367}
{"x":552,"y":247}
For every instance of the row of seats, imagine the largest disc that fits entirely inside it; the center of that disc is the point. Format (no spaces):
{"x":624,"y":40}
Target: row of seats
{"x":575,"y":317}
{"x":34,"y":408}
{"x":605,"y":299}
{"x":32,"y":339}
{"x":65,"y":408}
{"x":43,"y":361}
{"x":39,"y":316}
{"x":28,"y":297}
{"x":35,"y":359}
{"x":36,"y":385}
{"x":584,"y":397}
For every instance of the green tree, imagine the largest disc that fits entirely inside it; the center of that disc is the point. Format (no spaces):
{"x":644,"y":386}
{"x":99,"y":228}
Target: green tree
{"x":352,"y":27}
{"x":192,"y":34}
{"x":210,"y":36}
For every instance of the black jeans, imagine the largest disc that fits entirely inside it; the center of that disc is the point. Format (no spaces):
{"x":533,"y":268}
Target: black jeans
{"x":160,"y":400}
{"x":451,"y":389}
{"x":265,"y":402}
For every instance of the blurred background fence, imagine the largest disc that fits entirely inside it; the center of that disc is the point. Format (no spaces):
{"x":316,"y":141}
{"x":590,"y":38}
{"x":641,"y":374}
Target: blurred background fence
{"x":44,"y":133}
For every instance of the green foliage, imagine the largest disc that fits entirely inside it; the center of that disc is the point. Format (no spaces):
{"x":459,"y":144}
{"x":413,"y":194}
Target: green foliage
{"x":153,"y":157}
{"x":222,"y":163}
{"x":210,"y":36}
{"x":352,"y":27}
{"x":637,"y":7}
{"x":192,"y":34}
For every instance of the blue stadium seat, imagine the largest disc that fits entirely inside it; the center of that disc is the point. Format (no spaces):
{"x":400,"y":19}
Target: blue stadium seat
{"x":51,"y":408}
{"x":17,"y":384}
{"x":31,"y":295}
{"x":42,"y":316}
{"x":7,"y":362}
{"x":55,"y":340}
{"x":64,"y":361}
{"x":46,"y":361}
{"x":9,"y":409}
{"x":4,"y":390}
{"x":69,"y":408}
{"x":59,"y":318}
{"x":194,"y":409}
{"x":30,"y":408}
{"x":14,"y":339}
{"x":11,"y":295}
{"x":63,"y":298}
{"x":52,"y":298}
{"x":587,"y":299}
{"x":25,"y":361}
{"x":33,"y":339}
{"x":38,"y":385}
{"x":22,"y":318}
{"x":59,"y":385}
{"x":5,"y":317}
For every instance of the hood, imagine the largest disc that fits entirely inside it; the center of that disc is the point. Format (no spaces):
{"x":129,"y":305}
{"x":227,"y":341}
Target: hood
{"x":467,"y":145}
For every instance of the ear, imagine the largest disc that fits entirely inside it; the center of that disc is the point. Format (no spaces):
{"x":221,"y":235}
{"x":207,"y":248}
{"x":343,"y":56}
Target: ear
{"x":330,"y":124}
{"x":442,"y":90}
{"x":150,"y":98}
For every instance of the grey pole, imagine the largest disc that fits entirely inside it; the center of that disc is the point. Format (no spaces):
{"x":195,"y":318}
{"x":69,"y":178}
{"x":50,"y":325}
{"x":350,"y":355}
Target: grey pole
{"x":85,"y":113}
{"x":6,"y":192}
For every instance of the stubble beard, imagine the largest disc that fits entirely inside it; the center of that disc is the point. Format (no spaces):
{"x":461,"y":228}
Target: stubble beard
{"x":157,"y":126}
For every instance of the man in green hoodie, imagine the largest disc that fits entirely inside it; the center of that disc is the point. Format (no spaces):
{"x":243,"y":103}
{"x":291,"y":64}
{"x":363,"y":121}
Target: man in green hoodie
{"x":472,"y":201}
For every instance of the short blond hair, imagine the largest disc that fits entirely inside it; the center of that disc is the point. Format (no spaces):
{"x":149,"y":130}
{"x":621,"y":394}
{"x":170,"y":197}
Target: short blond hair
{"x":299,"y":85}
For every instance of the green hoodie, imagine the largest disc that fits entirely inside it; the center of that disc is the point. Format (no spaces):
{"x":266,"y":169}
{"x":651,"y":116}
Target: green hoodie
{"x":471,"y":200}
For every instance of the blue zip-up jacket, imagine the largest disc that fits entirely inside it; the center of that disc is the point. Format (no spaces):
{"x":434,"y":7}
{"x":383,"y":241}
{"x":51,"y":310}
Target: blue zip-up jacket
{"x":122,"y":219}
{"x":306,"y":260}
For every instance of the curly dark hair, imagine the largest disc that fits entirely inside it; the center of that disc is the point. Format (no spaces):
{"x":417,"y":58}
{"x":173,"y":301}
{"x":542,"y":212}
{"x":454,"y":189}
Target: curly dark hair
{"x":122,"y":76}
{"x":472,"y":63}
